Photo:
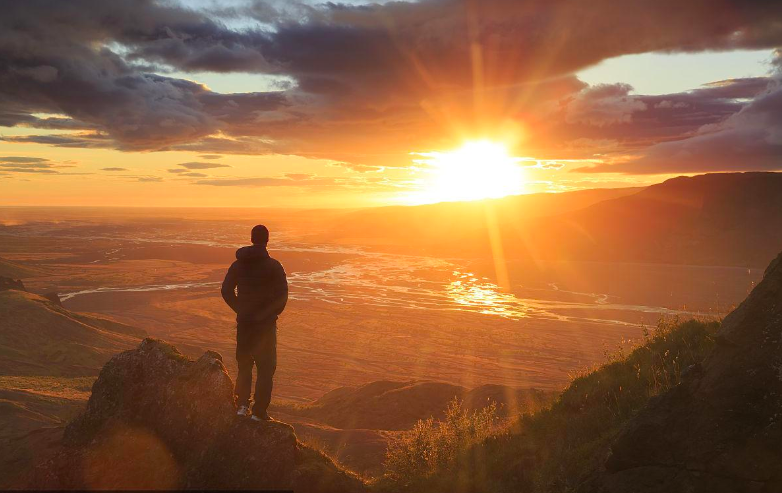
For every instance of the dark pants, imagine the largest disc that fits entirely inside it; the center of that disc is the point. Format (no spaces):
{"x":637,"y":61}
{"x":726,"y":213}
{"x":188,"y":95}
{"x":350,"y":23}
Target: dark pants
{"x":256,"y":344}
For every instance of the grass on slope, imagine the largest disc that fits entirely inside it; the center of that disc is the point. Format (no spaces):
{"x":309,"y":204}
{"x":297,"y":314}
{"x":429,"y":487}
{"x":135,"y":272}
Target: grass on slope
{"x":15,"y":271}
{"x":40,"y":338}
{"x":386,"y":405}
{"x":554,"y":449}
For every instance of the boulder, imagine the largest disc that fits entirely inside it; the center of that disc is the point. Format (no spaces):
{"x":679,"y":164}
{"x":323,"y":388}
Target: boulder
{"x":720,"y":430}
{"x":157,"y":419}
{"x":53,"y":297}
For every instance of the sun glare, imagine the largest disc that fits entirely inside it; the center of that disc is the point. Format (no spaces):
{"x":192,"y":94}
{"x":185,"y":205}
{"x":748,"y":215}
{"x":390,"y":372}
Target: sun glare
{"x":477,"y":170}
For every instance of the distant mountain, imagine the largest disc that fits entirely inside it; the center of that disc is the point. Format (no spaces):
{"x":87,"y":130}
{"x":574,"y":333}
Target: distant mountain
{"x":732,"y":219}
{"x":713,"y":219}
{"x":457,"y":227}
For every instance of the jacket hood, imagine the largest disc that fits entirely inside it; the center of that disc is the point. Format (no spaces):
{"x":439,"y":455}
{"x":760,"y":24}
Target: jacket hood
{"x":251,"y":252}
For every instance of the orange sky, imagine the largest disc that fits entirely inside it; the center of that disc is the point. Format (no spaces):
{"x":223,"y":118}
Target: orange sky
{"x":301,"y":104}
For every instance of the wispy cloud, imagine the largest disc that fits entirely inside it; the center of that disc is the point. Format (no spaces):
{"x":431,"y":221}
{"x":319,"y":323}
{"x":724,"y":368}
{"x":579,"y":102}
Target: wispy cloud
{"x":201,"y":165}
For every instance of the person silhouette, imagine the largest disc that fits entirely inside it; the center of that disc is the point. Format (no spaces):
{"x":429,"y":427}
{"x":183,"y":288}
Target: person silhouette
{"x":255,"y":287}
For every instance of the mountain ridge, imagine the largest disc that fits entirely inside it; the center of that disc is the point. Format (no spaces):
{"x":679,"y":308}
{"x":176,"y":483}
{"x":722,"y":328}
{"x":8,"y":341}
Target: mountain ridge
{"x":726,"y":219}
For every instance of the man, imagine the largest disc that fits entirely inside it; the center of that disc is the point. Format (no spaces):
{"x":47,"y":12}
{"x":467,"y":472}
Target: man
{"x":256,"y":289}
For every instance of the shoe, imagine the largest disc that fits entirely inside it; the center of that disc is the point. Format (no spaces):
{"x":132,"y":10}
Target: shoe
{"x":262,"y":417}
{"x":243,"y":411}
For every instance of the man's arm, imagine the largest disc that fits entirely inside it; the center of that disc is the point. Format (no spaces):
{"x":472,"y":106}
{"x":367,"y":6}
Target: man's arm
{"x":280,"y":290}
{"x":229,"y":288}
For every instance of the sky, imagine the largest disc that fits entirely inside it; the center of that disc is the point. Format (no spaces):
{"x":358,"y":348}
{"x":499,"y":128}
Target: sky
{"x":253,"y":103}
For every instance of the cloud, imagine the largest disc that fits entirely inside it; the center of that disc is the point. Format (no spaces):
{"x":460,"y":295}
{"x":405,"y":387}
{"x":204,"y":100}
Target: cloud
{"x":200,"y":165}
{"x":23,"y":160}
{"x":750,"y":139}
{"x":83,"y":140}
{"x":665,"y":118}
{"x":149,"y":179}
{"x":114,"y":169}
{"x":185,"y":172}
{"x":28,"y":164}
{"x":210,"y":156}
{"x":31,"y":170}
{"x":256,"y":182}
{"x":603,"y":104}
{"x":305,"y":181}
{"x":412,"y":75}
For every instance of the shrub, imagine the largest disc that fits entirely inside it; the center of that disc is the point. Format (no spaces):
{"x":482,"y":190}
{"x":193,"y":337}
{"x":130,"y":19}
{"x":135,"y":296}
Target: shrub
{"x":432,"y":446}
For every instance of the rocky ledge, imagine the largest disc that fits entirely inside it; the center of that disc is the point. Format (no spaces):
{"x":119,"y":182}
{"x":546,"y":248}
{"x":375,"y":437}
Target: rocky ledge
{"x":159,"y":420}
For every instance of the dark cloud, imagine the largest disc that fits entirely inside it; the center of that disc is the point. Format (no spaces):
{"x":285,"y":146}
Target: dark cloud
{"x":210,"y":156}
{"x":664,"y":118}
{"x":149,"y":179}
{"x":199,"y":165}
{"x":114,"y":169}
{"x":751,"y":139}
{"x":604,"y":104}
{"x":84,"y":140}
{"x":371,"y":82}
{"x":55,"y":58}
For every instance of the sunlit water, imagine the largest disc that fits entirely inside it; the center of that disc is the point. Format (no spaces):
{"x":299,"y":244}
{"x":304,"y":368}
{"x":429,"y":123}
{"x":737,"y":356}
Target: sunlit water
{"x":369,"y":278}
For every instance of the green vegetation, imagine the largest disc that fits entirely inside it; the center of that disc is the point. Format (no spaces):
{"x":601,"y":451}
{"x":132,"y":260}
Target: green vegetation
{"x":554,"y":449}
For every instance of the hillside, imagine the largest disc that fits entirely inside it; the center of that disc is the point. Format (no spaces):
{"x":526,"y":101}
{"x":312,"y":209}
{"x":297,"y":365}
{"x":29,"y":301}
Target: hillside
{"x":731,"y":219}
{"x":385,"y":405}
{"x":714,"y":219}
{"x":695,"y":408}
{"x":41,"y":338}
{"x":355,"y":425}
{"x":720,"y":430}
{"x":15,"y":271}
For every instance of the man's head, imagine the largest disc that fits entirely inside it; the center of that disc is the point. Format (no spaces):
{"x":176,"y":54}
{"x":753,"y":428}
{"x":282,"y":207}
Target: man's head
{"x":260,"y":235}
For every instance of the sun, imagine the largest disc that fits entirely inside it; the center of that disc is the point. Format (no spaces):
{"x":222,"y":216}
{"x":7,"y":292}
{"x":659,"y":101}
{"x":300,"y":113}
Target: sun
{"x":479,"y":169}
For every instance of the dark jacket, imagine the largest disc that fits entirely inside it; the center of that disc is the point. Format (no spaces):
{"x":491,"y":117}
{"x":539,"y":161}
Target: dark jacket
{"x":255,"y":286}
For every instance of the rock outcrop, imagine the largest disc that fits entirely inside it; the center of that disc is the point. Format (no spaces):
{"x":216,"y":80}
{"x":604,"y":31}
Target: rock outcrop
{"x":7,"y":283}
{"x":157,"y":419}
{"x":721,"y":429}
